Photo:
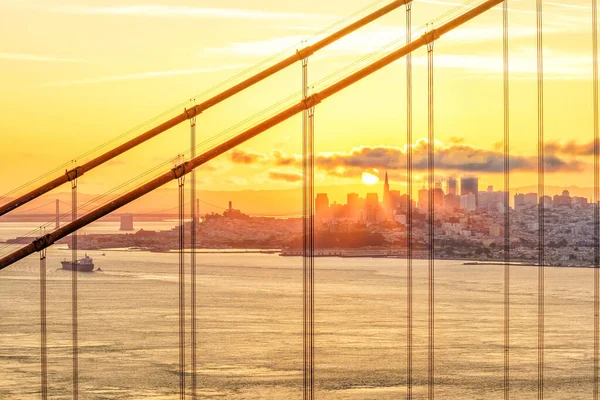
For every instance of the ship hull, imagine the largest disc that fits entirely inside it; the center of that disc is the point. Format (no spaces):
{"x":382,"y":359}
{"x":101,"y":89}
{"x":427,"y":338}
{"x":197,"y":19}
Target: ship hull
{"x":67,"y":265}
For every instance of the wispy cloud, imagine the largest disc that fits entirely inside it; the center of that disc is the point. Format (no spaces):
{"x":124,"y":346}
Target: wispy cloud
{"x":38,"y":57}
{"x":368,"y":42}
{"x":557,"y":64}
{"x":145,"y":75}
{"x":160,"y":10}
{"x":574,"y":6}
{"x":290,"y":177}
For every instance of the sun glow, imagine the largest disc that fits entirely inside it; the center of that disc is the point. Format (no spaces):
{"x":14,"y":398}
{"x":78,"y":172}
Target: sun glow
{"x":370,"y":178}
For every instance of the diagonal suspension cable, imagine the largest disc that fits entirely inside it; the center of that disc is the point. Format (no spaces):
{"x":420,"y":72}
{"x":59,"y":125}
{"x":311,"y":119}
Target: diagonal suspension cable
{"x":248,"y":134}
{"x":199,"y":108}
{"x":218,"y":86}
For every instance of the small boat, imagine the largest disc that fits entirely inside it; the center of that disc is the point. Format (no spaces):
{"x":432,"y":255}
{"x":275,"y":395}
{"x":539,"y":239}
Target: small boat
{"x":86,"y":264}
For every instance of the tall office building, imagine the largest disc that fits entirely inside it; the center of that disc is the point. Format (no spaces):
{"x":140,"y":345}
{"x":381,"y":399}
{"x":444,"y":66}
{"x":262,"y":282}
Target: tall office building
{"x":321,"y":205}
{"x":353,"y":205}
{"x":451,"y":186}
{"x":470,"y":185}
{"x":387,"y":197}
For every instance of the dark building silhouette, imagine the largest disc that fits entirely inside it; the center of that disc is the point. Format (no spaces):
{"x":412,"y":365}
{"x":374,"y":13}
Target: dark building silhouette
{"x":470,"y":185}
{"x":451,"y":190}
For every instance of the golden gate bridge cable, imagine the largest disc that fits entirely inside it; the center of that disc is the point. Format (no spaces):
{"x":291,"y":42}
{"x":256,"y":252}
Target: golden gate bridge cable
{"x":311,"y":163}
{"x":431,"y":230}
{"x":231,"y":143}
{"x":241,"y":123}
{"x":596,"y":199}
{"x":262,"y":112}
{"x":43,"y":327}
{"x":193,"y":216}
{"x":182,"y":104}
{"x":506,"y":204}
{"x":199,"y":108}
{"x":305,"y":250}
{"x":409,"y":226}
{"x":74,"y":289}
{"x":181,"y":188}
{"x":322,"y":80}
{"x":541,"y":205}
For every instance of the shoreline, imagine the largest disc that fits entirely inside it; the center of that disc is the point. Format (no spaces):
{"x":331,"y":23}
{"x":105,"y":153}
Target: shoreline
{"x":340,"y":253}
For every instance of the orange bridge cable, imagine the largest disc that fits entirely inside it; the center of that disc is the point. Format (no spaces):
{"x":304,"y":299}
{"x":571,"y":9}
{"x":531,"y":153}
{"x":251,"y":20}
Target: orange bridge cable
{"x":182,"y":104}
{"x":193,"y":217}
{"x":431,"y":230}
{"x":181,"y":193}
{"x":231,"y":143}
{"x":240,"y":124}
{"x":199,"y":108}
{"x":43,"y":327}
{"x":409,"y":226}
{"x":506,"y":205}
{"x":74,"y":290}
{"x":596,"y":199}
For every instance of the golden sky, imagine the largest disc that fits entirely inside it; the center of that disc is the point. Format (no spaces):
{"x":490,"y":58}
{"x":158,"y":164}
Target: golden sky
{"x":78,"y":73}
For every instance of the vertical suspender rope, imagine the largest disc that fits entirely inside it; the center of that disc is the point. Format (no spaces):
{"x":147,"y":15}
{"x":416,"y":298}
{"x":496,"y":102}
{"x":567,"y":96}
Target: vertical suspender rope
{"x":431,"y":231}
{"x":193,"y":217}
{"x":409,"y":227}
{"x":308,"y":238}
{"x":311,"y":270}
{"x":181,"y":183}
{"x":304,"y":239}
{"x":43,"y":331}
{"x":541,"y":260}
{"x":506,"y":207}
{"x":74,"y":316}
{"x":596,"y":196}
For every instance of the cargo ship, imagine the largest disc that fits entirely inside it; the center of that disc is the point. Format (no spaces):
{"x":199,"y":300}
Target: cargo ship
{"x":86,"y":264}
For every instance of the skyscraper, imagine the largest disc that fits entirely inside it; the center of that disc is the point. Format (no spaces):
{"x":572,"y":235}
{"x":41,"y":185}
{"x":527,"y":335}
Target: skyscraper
{"x":387,"y":197}
{"x":321,"y":205}
{"x":470,"y":185}
{"x":451,"y":186}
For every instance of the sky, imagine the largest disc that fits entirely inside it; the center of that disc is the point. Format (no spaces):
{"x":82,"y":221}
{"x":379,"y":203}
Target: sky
{"x":77,"y":74}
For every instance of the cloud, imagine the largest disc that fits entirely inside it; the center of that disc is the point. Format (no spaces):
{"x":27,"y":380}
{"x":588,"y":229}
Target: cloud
{"x":38,"y":57}
{"x":454,"y":157}
{"x":450,"y":158}
{"x":573,"y":6}
{"x":285,"y":176}
{"x":277,"y":158}
{"x":558,"y":64}
{"x":161,"y":10}
{"x":571,"y":148}
{"x":281,"y":159}
{"x":241,"y":156}
{"x":145,"y":75}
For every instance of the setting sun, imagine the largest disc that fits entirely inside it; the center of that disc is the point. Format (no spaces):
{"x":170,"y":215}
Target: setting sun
{"x":370,"y":178}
